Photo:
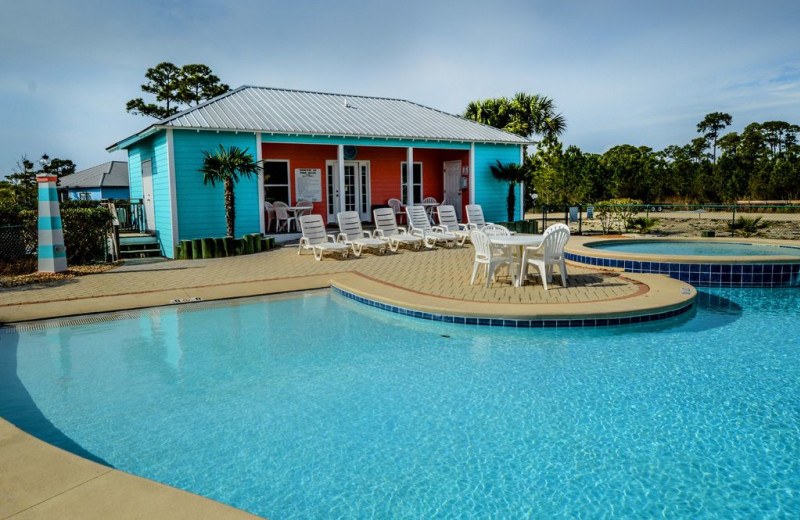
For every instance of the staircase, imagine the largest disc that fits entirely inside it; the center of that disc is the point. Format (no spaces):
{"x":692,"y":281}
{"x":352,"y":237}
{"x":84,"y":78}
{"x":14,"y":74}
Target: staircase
{"x":138,"y":245}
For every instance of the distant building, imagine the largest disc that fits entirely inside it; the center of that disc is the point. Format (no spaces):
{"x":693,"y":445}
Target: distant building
{"x":104,"y":181}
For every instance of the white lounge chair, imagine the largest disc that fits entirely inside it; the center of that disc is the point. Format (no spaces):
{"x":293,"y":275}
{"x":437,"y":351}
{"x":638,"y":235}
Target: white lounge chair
{"x":351,"y":234}
{"x":386,"y":228}
{"x":421,"y":226}
{"x":475,"y":216}
{"x":449,"y":222}
{"x":489,"y":257}
{"x":548,"y":254}
{"x":316,"y":238}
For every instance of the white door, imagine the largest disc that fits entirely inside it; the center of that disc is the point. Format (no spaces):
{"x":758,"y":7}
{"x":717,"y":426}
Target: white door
{"x":355,"y":194}
{"x":452,"y":185}
{"x":147,"y":195}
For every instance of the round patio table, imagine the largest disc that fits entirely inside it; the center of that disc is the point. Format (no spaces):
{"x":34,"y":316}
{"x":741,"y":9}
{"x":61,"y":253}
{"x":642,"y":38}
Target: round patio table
{"x":517,"y":243}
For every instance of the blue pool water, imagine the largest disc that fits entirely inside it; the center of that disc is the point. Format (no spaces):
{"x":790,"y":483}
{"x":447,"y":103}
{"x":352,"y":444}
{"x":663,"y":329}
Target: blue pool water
{"x":665,"y":247}
{"x":320,"y":407}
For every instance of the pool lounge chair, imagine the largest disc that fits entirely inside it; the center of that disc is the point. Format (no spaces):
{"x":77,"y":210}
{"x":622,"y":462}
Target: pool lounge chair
{"x":421,"y":226}
{"x":448,"y":221}
{"x":317,"y":239}
{"x":475,"y":216}
{"x":351,"y":234}
{"x":387,"y":229}
{"x":548,"y":254}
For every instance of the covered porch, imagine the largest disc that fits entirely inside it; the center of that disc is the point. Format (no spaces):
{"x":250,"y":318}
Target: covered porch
{"x":361,"y":177}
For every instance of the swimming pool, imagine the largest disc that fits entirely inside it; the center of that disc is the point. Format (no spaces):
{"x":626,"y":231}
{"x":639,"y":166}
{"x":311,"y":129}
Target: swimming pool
{"x":318,"y":407}
{"x":695,"y":248}
{"x":702,"y":263}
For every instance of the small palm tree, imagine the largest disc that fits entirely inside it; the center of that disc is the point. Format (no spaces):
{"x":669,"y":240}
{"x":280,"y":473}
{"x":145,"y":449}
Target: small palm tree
{"x":227,"y":166}
{"x":513,"y":174}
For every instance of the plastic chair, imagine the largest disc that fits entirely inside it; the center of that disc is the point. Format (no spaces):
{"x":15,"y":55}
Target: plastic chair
{"x":386,"y":228}
{"x":475,"y":216}
{"x":488,"y":256}
{"x":397,"y":207}
{"x":548,"y":254}
{"x":448,"y":221}
{"x":282,"y":218}
{"x":269,"y":214}
{"x":420,"y":225}
{"x":352,"y":234}
{"x":316,"y":238}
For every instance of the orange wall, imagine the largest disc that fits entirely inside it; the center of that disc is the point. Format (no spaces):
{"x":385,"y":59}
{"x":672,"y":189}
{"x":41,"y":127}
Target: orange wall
{"x":385,"y":169}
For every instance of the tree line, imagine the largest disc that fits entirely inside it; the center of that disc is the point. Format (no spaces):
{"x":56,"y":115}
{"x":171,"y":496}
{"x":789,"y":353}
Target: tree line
{"x":761,"y":163}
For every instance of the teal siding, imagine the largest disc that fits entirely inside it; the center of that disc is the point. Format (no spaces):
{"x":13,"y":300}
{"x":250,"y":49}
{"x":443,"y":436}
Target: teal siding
{"x":490,"y":193}
{"x":115,"y":193}
{"x":75,"y":193}
{"x":155,"y":149}
{"x":201,"y":207}
{"x":365,"y":141}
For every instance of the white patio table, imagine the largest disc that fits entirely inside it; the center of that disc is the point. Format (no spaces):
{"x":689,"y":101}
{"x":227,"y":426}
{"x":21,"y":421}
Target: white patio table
{"x":517,"y":243}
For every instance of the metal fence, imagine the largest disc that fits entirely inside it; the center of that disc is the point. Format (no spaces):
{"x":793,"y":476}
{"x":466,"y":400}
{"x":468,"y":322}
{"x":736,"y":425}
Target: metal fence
{"x":722,"y":220}
{"x":13,"y":244}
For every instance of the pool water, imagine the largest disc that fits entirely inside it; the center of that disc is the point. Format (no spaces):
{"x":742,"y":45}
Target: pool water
{"x":665,"y":247}
{"x":320,"y":407}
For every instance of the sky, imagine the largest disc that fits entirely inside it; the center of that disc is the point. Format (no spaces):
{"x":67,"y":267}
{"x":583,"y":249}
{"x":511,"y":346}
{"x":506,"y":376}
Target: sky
{"x":621,"y":72}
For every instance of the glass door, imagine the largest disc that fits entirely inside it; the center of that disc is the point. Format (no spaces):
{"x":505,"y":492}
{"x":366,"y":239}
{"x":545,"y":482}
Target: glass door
{"x":354,"y":194}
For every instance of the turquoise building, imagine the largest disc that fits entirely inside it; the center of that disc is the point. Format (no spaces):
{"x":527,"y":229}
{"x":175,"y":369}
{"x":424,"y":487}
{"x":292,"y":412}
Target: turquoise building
{"x":341,"y":152}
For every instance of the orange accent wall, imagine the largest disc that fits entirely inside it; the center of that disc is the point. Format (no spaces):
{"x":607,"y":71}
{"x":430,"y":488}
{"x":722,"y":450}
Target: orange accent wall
{"x":385,"y":168}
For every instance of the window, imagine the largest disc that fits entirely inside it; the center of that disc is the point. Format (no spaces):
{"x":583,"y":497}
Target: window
{"x":416,"y":182}
{"x":84,"y":196}
{"x":276,"y":181}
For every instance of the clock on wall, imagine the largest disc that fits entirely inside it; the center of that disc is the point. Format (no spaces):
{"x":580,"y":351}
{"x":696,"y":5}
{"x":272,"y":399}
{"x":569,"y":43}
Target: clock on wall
{"x":350,"y":153}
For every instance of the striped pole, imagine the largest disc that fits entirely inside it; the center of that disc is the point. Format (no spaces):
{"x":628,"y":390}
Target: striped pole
{"x":52,"y":253}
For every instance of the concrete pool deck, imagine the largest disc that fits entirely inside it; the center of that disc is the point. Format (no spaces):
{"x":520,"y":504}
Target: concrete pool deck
{"x":38,"y":480}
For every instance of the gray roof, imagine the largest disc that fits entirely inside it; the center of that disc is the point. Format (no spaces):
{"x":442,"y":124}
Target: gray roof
{"x":260,"y":109}
{"x":113,"y":174}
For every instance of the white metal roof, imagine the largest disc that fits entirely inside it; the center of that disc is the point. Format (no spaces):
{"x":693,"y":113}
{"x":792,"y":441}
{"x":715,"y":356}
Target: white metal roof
{"x":260,"y":109}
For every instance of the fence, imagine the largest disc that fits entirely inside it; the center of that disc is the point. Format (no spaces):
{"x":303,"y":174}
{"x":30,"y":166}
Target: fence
{"x":13,"y":244}
{"x":731,"y":220}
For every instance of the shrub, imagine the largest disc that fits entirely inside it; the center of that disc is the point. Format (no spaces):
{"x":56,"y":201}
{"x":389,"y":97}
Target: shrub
{"x":616,"y":212}
{"x":641,"y":225}
{"x":85,"y":230}
{"x":746,"y":227}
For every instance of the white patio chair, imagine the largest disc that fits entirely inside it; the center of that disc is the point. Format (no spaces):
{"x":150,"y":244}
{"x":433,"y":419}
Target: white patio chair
{"x":269,"y":215}
{"x":489,"y":257}
{"x":475,"y":218}
{"x":351,"y":234}
{"x":316,"y":238}
{"x":431,"y":206}
{"x":303,"y":207}
{"x":548,"y":254}
{"x":496,"y":230}
{"x":421,"y":226}
{"x":449,"y":221}
{"x":386,"y":228}
{"x":282,"y":218}
{"x":397,"y":207}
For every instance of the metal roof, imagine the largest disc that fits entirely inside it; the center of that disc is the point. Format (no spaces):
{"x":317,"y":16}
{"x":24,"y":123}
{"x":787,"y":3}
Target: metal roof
{"x":260,"y":109}
{"x":113,"y":174}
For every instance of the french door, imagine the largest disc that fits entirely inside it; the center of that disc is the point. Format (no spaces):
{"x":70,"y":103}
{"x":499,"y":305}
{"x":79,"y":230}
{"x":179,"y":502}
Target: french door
{"x":355,"y":192}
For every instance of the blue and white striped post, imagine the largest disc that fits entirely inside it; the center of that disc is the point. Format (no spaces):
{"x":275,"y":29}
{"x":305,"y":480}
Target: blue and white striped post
{"x":52,"y":253}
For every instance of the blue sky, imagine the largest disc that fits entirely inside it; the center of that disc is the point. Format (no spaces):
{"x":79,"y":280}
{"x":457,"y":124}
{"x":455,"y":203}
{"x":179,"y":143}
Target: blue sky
{"x":635,"y":72}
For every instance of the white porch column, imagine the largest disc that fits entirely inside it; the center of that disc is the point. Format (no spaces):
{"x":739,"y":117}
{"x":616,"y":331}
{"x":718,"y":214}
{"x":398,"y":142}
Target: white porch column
{"x":472,"y":173}
{"x":522,"y":185}
{"x":410,"y":176}
{"x":340,"y":166}
{"x":261,"y":219}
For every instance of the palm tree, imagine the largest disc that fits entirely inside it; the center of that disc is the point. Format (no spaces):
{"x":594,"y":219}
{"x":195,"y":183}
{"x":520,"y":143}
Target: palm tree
{"x":226,"y":166}
{"x":513,"y":174}
{"x":524,"y":115}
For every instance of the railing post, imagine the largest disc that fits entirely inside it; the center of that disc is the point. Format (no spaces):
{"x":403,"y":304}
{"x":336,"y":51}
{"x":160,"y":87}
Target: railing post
{"x":733,"y":220}
{"x":580,"y":219}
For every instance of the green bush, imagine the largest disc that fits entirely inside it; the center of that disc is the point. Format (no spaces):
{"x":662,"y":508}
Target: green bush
{"x":642,"y":225}
{"x":746,"y":227}
{"x":85,"y":230}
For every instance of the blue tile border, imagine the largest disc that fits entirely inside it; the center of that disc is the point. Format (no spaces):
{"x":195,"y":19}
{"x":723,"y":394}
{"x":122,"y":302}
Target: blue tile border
{"x":706,"y":275}
{"x":516,"y":323}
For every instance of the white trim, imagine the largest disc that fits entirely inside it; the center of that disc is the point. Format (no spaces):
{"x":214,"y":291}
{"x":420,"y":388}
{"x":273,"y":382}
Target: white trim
{"x":472,"y":173}
{"x":261,"y":220}
{"x":173,"y":192}
{"x":340,"y":167}
{"x":410,"y":176}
